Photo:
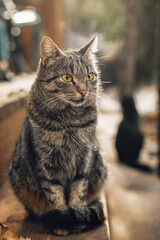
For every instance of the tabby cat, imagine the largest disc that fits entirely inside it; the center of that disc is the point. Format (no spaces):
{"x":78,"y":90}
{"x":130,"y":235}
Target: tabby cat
{"x":57,"y":171}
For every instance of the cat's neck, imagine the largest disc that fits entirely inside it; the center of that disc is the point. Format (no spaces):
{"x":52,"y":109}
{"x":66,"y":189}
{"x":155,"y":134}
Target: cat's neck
{"x":63,"y":117}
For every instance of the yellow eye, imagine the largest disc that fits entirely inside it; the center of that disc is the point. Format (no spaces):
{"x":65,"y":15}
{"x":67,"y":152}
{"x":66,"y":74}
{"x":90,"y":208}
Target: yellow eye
{"x":89,"y":76}
{"x":66,"y":77}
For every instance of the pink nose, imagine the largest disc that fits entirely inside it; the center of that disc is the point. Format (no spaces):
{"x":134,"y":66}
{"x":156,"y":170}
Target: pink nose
{"x":83,"y":92}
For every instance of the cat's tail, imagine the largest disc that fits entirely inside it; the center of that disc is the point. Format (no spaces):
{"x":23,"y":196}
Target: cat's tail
{"x":139,"y":166}
{"x":75,"y":219}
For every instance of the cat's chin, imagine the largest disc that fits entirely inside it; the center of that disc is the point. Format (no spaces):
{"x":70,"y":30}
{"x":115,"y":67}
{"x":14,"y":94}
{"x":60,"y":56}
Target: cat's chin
{"x":77,"y":103}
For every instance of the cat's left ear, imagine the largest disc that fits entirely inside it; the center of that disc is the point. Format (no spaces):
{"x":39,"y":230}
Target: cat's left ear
{"x":90,"y":48}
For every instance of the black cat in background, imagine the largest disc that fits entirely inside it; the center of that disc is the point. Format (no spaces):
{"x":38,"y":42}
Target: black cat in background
{"x":129,"y":139}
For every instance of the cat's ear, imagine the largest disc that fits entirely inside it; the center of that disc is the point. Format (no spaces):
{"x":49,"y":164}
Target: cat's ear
{"x":90,"y":48}
{"x":49,"y":49}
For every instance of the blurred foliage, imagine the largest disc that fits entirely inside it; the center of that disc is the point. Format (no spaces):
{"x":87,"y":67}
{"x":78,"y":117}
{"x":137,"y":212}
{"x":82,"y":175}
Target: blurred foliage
{"x":108,"y":17}
{"x":105,"y":17}
{"x":146,"y":40}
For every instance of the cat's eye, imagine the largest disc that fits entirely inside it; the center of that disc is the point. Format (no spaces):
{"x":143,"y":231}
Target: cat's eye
{"x":89,"y":76}
{"x":66,"y":77}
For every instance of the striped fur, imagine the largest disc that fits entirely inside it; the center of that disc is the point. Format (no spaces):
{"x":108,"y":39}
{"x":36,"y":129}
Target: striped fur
{"x":56,"y":164}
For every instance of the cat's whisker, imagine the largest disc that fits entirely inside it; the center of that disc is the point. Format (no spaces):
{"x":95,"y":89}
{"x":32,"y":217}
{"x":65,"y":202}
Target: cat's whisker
{"x":52,"y":100}
{"x":47,"y":100}
{"x":50,"y":105}
{"x":106,"y":81}
{"x":105,"y":56}
{"x":102,"y":64}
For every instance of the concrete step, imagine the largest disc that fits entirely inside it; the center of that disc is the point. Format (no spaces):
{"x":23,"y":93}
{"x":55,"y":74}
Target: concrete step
{"x":134,"y":204}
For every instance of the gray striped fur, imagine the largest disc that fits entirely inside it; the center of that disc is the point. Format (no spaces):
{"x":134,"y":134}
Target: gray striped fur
{"x":56,"y":164}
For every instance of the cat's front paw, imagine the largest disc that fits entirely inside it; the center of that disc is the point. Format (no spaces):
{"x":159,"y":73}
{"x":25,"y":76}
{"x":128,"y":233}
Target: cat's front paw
{"x":76,"y":202}
{"x":60,"y":232}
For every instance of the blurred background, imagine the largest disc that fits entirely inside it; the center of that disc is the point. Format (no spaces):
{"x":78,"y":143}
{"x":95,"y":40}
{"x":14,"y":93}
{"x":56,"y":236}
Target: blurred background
{"x":128,"y":123}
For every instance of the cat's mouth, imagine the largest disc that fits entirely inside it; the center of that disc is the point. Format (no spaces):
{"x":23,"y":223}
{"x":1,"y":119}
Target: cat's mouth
{"x":77,"y":101}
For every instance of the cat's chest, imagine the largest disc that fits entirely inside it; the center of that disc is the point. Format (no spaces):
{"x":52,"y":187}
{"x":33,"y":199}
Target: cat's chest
{"x":64,"y":151}
{"x":66,"y":137}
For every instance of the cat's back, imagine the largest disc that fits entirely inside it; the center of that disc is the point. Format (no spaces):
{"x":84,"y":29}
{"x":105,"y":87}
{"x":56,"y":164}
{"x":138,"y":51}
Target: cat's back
{"x":24,"y":154}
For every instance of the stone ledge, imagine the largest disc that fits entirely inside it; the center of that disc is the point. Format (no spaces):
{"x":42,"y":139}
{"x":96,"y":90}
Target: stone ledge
{"x":16,"y":89}
{"x":12,"y":113}
{"x":11,"y":108}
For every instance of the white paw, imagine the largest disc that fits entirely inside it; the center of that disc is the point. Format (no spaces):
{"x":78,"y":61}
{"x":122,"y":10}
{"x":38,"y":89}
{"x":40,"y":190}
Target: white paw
{"x":61,"y":232}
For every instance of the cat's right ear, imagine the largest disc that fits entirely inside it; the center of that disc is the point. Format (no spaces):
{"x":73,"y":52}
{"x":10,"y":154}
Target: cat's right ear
{"x":90,"y":48}
{"x":49,"y":49}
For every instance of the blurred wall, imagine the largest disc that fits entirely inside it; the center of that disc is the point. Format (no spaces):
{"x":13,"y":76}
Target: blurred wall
{"x":53,"y":25}
{"x":53,"y":20}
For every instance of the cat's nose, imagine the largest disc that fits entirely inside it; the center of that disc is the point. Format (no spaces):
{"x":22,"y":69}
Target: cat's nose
{"x":83,"y":92}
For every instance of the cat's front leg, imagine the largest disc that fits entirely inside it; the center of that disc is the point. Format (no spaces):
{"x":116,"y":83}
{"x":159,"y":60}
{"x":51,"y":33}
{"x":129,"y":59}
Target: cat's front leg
{"x":55,"y":195}
{"x":78,"y":192}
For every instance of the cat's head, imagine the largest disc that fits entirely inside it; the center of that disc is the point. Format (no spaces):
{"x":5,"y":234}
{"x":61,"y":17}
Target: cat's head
{"x":70,"y":76}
